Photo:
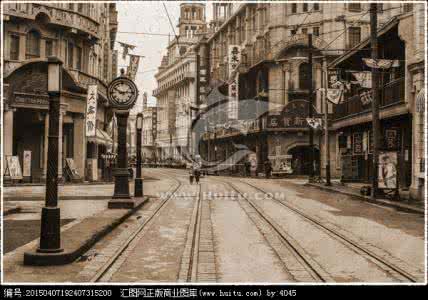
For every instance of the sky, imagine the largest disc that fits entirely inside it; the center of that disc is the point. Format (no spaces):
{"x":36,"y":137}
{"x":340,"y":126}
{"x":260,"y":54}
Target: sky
{"x":147,"y":17}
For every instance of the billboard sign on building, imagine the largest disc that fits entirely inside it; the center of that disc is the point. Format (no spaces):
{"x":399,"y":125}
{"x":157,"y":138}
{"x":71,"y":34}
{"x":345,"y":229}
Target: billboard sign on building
{"x":234,"y":57}
{"x":91,"y":111}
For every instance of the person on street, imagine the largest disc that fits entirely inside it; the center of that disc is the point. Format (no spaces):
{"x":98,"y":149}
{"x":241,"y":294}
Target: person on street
{"x":196,"y":167}
{"x":268,"y":168}
{"x":247,"y":166}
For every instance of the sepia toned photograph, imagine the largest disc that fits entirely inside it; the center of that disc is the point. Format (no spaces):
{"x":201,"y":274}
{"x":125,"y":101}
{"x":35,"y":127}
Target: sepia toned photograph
{"x":212,"y":148}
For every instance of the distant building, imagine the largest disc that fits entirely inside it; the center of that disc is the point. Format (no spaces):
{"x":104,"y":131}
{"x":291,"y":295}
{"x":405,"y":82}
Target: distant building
{"x":82,"y":36}
{"x":176,"y":89}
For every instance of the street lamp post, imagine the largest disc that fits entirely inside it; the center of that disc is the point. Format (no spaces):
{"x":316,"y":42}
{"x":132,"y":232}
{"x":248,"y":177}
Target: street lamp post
{"x":50,"y":235}
{"x":138,"y":187}
{"x":311,"y":111}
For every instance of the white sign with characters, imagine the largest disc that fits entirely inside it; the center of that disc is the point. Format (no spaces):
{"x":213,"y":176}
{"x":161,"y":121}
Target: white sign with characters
{"x":91,"y":111}
{"x":27,"y":163}
{"x":234,"y":57}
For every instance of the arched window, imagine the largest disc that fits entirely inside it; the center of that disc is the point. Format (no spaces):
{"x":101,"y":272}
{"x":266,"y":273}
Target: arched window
{"x":304,"y":72}
{"x":32,"y":45}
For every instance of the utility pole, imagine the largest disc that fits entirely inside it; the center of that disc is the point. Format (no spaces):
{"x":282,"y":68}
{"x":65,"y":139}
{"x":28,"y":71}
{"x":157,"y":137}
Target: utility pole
{"x":311,"y":111}
{"x":326,"y":136}
{"x":375,"y":94}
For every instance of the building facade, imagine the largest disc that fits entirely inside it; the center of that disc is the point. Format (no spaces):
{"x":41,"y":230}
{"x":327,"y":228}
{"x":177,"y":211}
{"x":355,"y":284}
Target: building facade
{"x":273,"y":71}
{"x":402,"y":107}
{"x":176,"y":89}
{"x":82,"y":36}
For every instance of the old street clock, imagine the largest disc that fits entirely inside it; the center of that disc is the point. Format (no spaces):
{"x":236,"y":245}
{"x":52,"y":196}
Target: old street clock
{"x":122,"y":93}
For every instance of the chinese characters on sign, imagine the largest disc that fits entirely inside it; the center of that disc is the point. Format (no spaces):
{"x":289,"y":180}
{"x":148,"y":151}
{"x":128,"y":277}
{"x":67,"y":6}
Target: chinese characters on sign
{"x":91,"y":111}
{"x":358,"y":143}
{"x":234,"y":59}
{"x":154,"y":123}
{"x":134,"y":61}
{"x":27,"y":163}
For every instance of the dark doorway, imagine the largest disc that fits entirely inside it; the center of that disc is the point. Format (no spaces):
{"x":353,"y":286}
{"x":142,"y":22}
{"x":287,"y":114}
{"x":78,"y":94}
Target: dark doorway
{"x":301,"y":160}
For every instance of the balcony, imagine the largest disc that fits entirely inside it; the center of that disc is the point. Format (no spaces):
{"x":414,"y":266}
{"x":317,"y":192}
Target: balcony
{"x":392,"y":93}
{"x":55,"y":16}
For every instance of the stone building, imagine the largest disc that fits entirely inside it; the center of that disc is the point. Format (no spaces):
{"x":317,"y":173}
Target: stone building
{"x":176,"y":85}
{"x":402,"y":106}
{"x":273,"y":71}
{"x":82,"y":36}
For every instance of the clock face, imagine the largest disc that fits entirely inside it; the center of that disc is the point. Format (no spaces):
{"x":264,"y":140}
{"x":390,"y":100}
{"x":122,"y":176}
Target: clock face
{"x":122,"y":93}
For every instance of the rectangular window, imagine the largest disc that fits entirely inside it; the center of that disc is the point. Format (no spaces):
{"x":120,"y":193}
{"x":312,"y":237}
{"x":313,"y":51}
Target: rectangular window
{"x":80,"y":7}
{"x":293,"y":32}
{"x":294,"y":8}
{"x":305,"y":30}
{"x":408,"y":7}
{"x":354,"y":6}
{"x":14,"y":47}
{"x":79,"y":58}
{"x":354,"y":36}
{"x":316,"y":31}
{"x":316,"y":7}
{"x":70,"y":60}
{"x":49,"y":48}
{"x":305,"y":7}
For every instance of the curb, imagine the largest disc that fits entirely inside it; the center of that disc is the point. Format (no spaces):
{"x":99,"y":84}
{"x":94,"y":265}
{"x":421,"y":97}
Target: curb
{"x":13,"y":210}
{"x":384,"y":202}
{"x":48,"y":259}
{"x":37,"y":198}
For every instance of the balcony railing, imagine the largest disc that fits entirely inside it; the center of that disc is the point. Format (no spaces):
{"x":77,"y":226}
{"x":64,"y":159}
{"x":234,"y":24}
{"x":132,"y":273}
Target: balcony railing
{"x":391,"y":93}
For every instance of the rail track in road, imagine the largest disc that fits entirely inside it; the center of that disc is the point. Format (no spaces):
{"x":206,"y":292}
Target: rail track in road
{"x":113,"y":259}
{"x":399,"y":271}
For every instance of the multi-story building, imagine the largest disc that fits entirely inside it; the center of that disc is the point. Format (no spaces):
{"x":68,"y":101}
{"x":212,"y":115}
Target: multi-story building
{"x":176,"y":84}
{"x":273,"y":71}
{"x":82,"y":36}
{"x":402,"y":107}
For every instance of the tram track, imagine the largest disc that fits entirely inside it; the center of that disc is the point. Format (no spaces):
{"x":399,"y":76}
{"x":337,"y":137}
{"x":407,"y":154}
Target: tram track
{"x":405,"y":275}
{"x":114,"y":258}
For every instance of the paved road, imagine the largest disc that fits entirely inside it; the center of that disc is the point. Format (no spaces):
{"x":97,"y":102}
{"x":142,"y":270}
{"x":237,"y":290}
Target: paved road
{"x":254,"y":230}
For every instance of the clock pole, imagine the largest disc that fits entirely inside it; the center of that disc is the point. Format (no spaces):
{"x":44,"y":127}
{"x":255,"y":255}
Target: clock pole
{"x":121,"y":173}
{"x":122,"y":101}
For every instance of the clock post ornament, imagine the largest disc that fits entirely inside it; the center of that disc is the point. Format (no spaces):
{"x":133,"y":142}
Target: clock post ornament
{"x":122,"y":94}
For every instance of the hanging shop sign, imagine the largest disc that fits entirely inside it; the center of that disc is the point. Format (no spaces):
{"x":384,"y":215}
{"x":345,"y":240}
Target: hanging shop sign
{"x":387,"y":170}
{"x":234,"y":58}
{"x":132,"y":69}
{"x":91,"y":110}
{"x":26,"y":164}
{"x":154,"y":123}
{"x":126,"y":48}
{"x":281,"y":164}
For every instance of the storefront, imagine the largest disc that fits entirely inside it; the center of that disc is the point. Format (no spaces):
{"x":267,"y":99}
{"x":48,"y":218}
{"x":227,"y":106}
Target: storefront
{"x":288,"y":140}
{"x":355,"y":145}
{"x":26,"y":123}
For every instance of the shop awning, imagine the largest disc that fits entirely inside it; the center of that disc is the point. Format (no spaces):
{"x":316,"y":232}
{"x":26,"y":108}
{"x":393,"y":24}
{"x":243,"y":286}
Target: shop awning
{"x":101,"y":138}
{"x":420,"y":101}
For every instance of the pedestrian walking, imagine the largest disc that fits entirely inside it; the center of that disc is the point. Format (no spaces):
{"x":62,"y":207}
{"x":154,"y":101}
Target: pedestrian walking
{"x":268,"y":168}
{"x":196,"y":171}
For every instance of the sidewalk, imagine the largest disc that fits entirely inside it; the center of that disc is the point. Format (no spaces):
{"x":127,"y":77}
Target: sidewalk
{"x":9,"y":208}
{"x":65,"y":192}
{"x":353,"y":189}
